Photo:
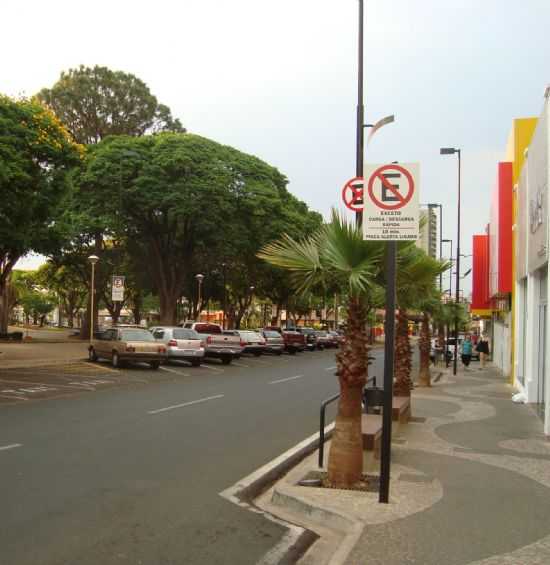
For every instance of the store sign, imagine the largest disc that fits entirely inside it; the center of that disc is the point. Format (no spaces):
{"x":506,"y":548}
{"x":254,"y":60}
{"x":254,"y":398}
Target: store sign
{"x":537,"y":194}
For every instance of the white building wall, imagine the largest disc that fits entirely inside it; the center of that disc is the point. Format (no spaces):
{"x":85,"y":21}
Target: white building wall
{"x":502,"y":352}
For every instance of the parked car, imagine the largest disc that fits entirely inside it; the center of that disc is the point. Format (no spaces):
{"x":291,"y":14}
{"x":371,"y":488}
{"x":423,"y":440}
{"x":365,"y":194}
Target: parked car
{"x":181,"y":343}
{"x":323,"y":339}
{"x":274,"y":341}
{"x":127,"y":343}
{"x":335,"y":338}
{"x":251,"y":341}
{"x":216,"y":344}
{"x":310,"y":335}
{"x":294,"y":341}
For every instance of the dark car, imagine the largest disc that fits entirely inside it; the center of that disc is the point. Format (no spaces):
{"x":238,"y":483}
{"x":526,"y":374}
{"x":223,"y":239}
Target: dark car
{"x":311,"y":337}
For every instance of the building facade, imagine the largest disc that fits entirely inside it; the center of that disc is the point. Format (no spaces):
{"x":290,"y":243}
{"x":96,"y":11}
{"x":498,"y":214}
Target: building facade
{"x":427,"y":237}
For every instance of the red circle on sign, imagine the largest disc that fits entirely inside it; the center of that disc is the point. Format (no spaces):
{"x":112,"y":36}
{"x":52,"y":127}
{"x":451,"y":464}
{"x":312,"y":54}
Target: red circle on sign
{"x":353,"y":195}
{"x":402,"y":200}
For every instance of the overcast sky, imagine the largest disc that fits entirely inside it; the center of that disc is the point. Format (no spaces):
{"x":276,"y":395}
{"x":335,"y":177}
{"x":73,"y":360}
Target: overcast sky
{"x":279,"y":79}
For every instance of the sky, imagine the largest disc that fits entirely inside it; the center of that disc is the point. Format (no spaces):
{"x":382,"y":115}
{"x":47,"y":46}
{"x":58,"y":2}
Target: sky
{"x":279,"y":80}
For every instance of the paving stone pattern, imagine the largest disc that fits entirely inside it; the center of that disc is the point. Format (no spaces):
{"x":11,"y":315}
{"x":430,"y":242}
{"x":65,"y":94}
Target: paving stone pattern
{"x":493,"y":464}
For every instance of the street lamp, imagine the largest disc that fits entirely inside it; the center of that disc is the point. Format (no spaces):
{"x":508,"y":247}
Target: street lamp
{"x":199,"y":278}
{"x":451,"y":267}
{"x":93,"y":260}
{"x":452,"y":151}
{"x":224,"y":265}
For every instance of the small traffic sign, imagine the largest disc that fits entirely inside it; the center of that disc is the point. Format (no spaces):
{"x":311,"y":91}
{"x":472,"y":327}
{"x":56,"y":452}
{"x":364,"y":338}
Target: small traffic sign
{"x":118,"y":288}
{"x":352,"y":194}
{"x":391,"y":202}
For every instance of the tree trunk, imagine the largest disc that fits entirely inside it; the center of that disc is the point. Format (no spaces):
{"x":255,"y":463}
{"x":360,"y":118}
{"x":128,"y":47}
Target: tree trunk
{"x":424,"y":345}
{"x":403,"y":354}
{"x":345,"y":463}
{"x":4,"y":308}
{"x":136,"y":308}
{"x":168,"y":303}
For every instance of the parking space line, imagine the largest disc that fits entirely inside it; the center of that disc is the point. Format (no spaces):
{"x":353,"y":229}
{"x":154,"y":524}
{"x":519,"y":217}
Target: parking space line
{"x":266,"y":363}
{"x":287,"y":379}
{"x":331,"y":368}
{"x":175,"y":371}
{"x":204,"y":366}
{"x":159,"y":410}
{"x":239,"y":364}
{"x":13,"y":397}
{"x":11,"y":446}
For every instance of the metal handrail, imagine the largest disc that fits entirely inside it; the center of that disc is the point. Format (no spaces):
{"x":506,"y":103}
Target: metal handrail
{"x":324,"y":404}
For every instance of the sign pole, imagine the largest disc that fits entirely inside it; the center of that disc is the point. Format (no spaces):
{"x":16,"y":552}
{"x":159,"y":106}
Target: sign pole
{"x":360,"y":111}
{"x":389,"y":352}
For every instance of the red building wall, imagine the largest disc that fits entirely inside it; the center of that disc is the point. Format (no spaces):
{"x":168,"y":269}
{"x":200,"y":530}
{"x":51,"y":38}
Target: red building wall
{"x":480,"y":273}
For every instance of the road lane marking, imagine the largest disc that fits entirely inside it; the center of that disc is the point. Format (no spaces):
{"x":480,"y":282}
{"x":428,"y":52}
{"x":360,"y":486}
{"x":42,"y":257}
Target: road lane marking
{"x":240,"y":364}
{"x":331,"y":368}
{"x":11,"y":446}
{"x":184,"y":404}
{"x":287,"y":379}
{"x":175,"y":372}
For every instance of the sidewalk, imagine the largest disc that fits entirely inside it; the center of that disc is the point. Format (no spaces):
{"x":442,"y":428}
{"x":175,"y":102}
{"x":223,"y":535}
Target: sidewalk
{"x":34,"y":353}
{"x":470,"y":485}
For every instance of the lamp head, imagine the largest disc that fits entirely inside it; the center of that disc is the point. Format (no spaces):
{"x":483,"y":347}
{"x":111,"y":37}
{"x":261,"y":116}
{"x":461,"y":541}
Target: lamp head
{"x":448,"y":151}
{"x":199,"y":278}
{"x":93,"y":259}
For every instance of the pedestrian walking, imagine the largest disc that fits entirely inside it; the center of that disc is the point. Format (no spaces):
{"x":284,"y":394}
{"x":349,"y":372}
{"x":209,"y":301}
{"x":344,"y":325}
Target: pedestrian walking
{"x":482,"y":348}
{"x":467,"y":348}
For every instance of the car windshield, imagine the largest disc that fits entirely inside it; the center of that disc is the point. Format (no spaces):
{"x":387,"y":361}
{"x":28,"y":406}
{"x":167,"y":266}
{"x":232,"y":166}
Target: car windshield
{"x":249,"y":335}
{"x":136,"y":335}
{"x":208,"y":329}
{"x":272,"y":334}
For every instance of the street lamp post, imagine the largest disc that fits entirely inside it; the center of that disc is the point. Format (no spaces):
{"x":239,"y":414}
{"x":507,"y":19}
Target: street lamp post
{"x":93,"y":260}
{"x":452,"y":151}
{"x":199,"y":278}
{"x":224,"y":265}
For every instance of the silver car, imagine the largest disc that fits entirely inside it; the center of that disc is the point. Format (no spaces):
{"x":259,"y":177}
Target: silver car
{"x":181,"y":343}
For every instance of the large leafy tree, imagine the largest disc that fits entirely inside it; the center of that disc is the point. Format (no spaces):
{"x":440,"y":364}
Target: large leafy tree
{"x":36,"y":153}
{"x":183,"y":202}
{"x":338,"y":253}
{"x":95,"y":102}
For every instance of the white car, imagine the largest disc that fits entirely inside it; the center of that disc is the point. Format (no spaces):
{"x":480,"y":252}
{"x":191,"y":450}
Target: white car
{"x":180,"y":343}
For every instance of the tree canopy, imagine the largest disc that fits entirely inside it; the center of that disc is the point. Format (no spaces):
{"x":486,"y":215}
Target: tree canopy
{"x":95,"y":102}
{"x":36,"y":153}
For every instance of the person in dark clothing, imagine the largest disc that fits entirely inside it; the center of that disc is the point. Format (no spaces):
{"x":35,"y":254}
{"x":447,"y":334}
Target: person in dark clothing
{"x":482,"y":348}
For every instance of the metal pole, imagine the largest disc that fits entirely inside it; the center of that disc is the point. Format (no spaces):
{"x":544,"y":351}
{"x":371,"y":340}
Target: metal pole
{"x":457,"y":290}
{"x":92,"y":305}
{"x":360,"y":110}
{"x":440,"y":246}
{"x":389,"y":351}
{"x":224,"y":297}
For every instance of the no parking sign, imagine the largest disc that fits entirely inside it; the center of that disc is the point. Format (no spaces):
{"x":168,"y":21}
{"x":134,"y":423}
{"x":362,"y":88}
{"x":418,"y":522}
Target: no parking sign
{"x":391,"y":209}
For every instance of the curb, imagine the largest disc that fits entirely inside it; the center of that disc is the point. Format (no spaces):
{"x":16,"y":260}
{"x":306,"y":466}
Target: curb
{"x":298,"y":540}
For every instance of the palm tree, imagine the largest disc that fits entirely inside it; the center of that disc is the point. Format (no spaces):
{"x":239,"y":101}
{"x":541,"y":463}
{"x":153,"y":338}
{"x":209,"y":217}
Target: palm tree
{"x":416,"y":274}
{"x":429,"y":306}
{"x":338,"y":254}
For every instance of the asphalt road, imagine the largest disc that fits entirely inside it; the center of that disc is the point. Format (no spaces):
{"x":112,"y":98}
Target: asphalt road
{"x":131,"y":474}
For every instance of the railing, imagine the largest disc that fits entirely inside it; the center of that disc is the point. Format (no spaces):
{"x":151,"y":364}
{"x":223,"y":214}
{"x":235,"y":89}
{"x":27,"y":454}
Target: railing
{"x":324,"y":405}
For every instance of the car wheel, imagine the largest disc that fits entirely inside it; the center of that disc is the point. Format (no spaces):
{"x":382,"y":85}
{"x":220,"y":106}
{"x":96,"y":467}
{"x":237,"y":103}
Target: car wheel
{"x":154,"y":365}
{"x":92,"y":355}
{"x":279,"y":352}
{"x":292,"y":352}
{"x":115,"y":361}
{"x":196,"y":362}
{"x":257,"y":353}
{"x":226,"y":360}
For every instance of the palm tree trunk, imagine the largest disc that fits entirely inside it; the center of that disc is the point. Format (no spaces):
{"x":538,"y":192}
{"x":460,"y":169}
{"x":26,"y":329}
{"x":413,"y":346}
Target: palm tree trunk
{"x":424,"y":376}
{"x":403,"y":354}
{"x":345,"y":463}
